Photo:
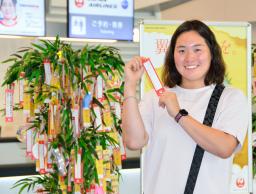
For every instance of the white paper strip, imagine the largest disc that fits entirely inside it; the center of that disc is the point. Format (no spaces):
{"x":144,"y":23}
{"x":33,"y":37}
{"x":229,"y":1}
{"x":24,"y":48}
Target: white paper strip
{"x":47,"y":71}
{"x":21,"y":91}
{"x":98,"y":120}
{"x":41,"y":152}
{"x":9,"y":105}
{"x":78,"y":167}
{"x":75,"y":120}
{"x":153,"y":76}
{"x":29,"y":142}
{"x":99,"y":88}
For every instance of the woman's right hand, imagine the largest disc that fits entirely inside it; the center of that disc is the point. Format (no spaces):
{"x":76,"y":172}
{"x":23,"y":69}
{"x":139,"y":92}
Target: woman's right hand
{"x":133,"y":71}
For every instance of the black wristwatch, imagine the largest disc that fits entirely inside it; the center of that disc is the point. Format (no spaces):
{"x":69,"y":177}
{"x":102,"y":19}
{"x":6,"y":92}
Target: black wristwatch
{"x":180,"y":114}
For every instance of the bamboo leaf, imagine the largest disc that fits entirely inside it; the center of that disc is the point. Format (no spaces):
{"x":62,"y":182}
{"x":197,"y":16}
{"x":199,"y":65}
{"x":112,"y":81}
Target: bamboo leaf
{"x":24,"y":49}
{"x":16,"y":55}
{"x":22,"y":188}
{"x":112,"y":97}
{"x":112,"y":90}
{"x":9,"y":60}
{"x":39,"y":47}
{"x":96,"y":101}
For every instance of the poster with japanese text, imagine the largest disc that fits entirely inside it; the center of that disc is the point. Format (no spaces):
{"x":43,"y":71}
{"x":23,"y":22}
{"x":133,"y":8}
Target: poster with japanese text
{"x":235,"y":42}
{"x":22,"y":18}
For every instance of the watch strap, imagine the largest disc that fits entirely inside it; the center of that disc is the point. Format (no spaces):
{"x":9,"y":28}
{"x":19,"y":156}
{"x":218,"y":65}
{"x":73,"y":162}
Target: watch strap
{"x":181,"y":113}
{"x":178,"y":117}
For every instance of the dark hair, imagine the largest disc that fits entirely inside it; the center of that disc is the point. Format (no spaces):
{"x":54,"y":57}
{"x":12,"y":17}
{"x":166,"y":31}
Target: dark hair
{"x":216,"y":73}
{"x":13,"y":1}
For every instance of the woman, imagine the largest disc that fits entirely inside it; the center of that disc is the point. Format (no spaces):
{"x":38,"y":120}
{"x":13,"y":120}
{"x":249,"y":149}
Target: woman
{"x":8,"y":9}
{"x":193,"y":66}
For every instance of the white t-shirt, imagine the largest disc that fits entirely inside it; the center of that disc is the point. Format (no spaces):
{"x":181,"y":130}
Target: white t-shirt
{"x":170,"y":149}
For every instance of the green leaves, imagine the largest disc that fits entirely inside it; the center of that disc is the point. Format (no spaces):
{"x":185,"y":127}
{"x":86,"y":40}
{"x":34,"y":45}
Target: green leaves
{"x":74,"y":71}
{"x":50,"y":183}
{"x":13,"y":73}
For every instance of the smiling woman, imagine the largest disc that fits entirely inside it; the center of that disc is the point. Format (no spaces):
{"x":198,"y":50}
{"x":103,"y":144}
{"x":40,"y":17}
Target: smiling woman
{"x":176,"y":121}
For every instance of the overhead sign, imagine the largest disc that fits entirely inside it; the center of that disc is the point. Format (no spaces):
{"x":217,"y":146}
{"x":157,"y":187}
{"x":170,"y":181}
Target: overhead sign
{"x":100,"y":19}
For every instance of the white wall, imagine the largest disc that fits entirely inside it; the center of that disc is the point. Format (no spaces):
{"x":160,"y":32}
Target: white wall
{"x":213,"y":10}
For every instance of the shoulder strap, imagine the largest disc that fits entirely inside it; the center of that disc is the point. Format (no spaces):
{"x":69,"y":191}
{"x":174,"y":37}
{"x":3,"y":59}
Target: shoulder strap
{"x":199,"y":152}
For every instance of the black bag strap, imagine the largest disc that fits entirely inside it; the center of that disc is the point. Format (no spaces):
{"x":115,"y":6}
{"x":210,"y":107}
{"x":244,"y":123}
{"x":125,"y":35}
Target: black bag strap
{"x":199,"y":152}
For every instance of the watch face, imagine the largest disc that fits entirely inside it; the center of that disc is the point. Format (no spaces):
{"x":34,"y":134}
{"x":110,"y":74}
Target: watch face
{"x":183,"y":112}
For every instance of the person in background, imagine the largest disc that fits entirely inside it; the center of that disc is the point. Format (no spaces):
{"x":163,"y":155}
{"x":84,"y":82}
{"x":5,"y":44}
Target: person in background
{"x":8,"y":10}
{"x":170,"y":126}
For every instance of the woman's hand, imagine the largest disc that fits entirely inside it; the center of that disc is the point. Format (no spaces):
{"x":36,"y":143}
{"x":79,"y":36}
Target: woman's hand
{"x":169,"y":100}
{"x":133,"y":71}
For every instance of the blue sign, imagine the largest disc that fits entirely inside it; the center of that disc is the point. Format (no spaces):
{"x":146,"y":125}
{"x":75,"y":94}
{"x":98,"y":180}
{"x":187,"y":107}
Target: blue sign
{"x":101,"y":19}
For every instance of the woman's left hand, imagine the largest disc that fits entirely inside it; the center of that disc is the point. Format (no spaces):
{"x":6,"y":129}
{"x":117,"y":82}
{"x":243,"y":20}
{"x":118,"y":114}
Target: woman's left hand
{"x":169,"y":100}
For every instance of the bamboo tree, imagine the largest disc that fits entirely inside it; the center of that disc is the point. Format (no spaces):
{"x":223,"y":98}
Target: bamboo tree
{"x":94,"y":61}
